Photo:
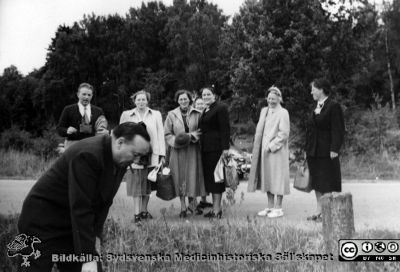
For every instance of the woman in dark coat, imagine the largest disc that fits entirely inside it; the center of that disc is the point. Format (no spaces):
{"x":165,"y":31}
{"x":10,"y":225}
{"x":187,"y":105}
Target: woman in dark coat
{"x":215,"y":129}
{"x":325,"y":134}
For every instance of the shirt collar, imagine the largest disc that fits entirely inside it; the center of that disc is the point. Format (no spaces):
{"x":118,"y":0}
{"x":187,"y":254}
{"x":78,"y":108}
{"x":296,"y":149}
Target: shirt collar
{"x":135,"y":111}
{"x":278,"y":106}
{"x":82,"y":107}
{"x":322,"y":102}
{"x":211,"y":105}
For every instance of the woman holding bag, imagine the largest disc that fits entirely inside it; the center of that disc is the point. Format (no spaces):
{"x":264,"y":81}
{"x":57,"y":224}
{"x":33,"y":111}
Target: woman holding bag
{"x":182,"y":135}
{"x":136,"y":177}
{"x":270,"y":166}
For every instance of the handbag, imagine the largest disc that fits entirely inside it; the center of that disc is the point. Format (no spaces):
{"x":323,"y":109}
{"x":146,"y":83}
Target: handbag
{"x":165,"y":185}
{"x":231,"y":175}
{"x":302,"y":180}
{"x":219,"y":170}
{"x":152,"y":176}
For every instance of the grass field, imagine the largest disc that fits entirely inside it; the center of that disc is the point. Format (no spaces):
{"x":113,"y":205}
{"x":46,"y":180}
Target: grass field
{"x":240,"y":231}
{"x":257,"y":245}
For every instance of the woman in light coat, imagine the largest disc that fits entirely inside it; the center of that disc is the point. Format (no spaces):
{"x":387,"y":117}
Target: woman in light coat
{"x":270,"y":162}
{"x":185,"y":157}
{"x":137,"y":185}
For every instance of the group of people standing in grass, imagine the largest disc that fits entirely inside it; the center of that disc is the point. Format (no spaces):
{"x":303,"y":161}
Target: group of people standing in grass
{"x":196,"y":134}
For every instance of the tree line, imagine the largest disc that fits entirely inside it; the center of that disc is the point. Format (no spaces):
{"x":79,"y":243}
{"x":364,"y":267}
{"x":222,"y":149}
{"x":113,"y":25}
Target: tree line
{"x":355,"y":44}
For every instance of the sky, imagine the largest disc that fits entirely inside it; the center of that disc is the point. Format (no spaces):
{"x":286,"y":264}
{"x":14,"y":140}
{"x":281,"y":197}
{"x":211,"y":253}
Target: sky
{"x":27,"y":26}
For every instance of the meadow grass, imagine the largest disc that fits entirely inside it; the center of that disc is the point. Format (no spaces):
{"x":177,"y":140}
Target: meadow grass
{"x":227,"y":236}
{"x":18,"y":164}
{"x":370,"y":167}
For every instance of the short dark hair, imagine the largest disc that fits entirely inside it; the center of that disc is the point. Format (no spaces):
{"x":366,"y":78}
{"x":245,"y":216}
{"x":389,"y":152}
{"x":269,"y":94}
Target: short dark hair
{"x":85,"y":85}
{"x":146,"y":93}
{"x":180,"y":92}
{"x":128,"y":130}
{"x":211,"y":89}
{"x":323,"y":84}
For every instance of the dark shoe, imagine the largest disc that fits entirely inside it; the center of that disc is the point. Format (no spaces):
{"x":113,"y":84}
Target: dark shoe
{"x":203,"y":205}
{"x":212,"y":214}
{"x":319,"y":218}
{"x":314,"y":217}
{"x":197,"y":211}
{"x":146,"y":215}
{"x":137,"y":220}
{"x":183,"y":214}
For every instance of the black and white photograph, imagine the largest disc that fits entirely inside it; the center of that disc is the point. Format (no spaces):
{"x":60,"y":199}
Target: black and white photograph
{"x":199,"y":135}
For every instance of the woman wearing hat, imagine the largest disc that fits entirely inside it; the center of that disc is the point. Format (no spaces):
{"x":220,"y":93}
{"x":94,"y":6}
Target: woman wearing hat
{"x":182,"y":135}
{"x":136,"y":178}
{"x":270,"y":161}
{"x":215,"y":129}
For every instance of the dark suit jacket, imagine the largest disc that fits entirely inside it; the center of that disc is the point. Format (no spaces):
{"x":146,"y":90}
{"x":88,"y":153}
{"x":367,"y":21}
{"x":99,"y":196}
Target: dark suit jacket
{"x":325,"y":131}
{"x":71,"y":117}
{"x":215,"y":128}
{"x":73,"y":197}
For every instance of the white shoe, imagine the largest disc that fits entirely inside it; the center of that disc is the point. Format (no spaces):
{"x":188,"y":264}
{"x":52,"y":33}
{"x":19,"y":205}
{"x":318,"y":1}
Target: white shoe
{"x":275,"y":213}
{"x":265,"y":212}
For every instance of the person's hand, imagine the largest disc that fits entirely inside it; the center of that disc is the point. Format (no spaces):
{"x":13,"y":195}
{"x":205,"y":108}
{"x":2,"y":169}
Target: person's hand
{"x":225,"y":153}
{"x":102,"y":131}
{"x":71,"y":130}
{"x":334,"y":155}
{"x":196,"y":134}
{"x":89,"y":267}
{"x":162,"y":160}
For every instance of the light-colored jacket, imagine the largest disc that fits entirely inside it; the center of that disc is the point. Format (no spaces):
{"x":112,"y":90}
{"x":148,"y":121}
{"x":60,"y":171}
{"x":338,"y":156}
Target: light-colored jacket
{"x":185,"y":163}
{"x":174,"y":124}
{"x":276,"y":138}
{"x":154,"y":126}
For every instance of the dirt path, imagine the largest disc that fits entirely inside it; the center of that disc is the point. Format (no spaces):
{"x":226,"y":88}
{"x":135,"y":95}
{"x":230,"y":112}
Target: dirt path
{"x":376,"y":205}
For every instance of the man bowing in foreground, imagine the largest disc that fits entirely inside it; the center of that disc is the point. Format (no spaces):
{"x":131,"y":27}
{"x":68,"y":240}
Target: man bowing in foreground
{"x":68,"y":205}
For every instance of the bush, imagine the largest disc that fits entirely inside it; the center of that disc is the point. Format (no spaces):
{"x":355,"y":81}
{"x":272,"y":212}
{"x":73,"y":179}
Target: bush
{"x":22,"y":164}
{"x":46,"y":145}
{"x":16,"y":139}
{"x":23,"y":141}
{"x":248,"y":128}
{"x":372,"y":131}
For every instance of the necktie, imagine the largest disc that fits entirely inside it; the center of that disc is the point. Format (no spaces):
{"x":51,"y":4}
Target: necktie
{"x":85,"y":116}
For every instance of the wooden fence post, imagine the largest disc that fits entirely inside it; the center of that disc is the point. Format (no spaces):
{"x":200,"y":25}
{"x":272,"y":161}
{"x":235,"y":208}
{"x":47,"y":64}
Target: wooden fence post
{"x":337,"y":223}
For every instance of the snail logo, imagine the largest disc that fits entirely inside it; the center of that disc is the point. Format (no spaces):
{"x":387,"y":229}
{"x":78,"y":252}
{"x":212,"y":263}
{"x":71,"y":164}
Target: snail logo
{"x":24,"y":245}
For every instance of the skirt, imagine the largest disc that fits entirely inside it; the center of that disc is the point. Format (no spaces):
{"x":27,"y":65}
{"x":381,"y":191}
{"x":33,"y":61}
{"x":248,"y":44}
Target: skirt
{"x":136,"y":182}
{"x":210,"y":160}
{"x":187,"y":171}
{"x":325,"y":174}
